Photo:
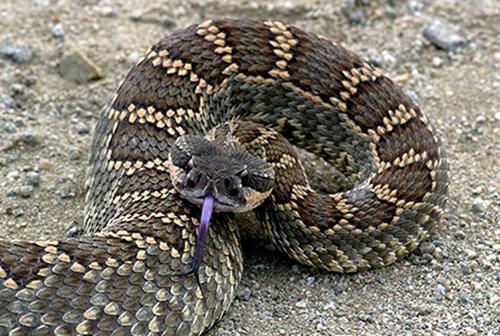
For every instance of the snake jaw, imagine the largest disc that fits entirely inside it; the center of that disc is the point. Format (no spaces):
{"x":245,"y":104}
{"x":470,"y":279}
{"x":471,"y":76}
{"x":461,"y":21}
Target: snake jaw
{"x":206,"y":214}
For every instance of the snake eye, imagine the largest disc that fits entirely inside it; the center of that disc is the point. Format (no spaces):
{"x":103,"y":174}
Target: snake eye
{"x":243,"y":172}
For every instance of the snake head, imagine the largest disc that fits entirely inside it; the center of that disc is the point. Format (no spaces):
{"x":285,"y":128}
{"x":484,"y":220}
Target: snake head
{"x":236,"y":180}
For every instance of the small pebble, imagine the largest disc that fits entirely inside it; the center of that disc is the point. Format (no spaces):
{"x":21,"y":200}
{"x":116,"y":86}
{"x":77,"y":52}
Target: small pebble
{"x":32,"y":179}
{"x":10,"y":127}
{"x":478,"y":206}
{"x":42,"y":3}
{"x":471,"y":332}
{"x":356,"y":17}
{"x":438,"y":253}
{"x":74,"y":231}
{"x":30,"y":80}
{"x":58,"y":31}
{"x":11,"y":157}
{"x":497,"y":116}
{"x":471,"y":254}
{"x":17,"y":89}
{"x":365,"y":318}
{"x":481,"y":119}
{"x":66,"y":194}
{"x":244,"y":294}
{"x":29,"y":138}
{"x":476,"y":191}
{"x":427,"y":248}
{"x":106,"y":11}
{"x":301,"y":304}
{"x":75,"y":66}
{"x":133,"y":57}
{"x":463,"y":299}
{"x":228,"y":324}
{"x":437,"y":62}
{"x":413,"y":95}
{"x":440,"y":290}
{"x":17,"y":53}
{"x":167,"y":21}
{"x":7,"y":101}
{"x":45,"y":164}
{"x":11,"y":192}
{"x":25,"y":191}
{"x":443,"y":36}
{"x":343,"y":320}
{"x":82,"y":129}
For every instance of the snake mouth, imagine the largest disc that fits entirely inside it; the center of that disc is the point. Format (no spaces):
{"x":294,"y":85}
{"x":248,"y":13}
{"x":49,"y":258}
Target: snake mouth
{"x":201,"y":200}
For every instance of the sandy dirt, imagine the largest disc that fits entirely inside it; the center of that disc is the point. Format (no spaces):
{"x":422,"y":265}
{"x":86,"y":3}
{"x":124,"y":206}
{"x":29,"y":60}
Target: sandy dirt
{"x":450,"y":286}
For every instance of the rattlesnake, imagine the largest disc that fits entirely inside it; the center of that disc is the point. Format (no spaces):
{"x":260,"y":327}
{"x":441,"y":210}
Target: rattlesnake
{"x":263,"y":88}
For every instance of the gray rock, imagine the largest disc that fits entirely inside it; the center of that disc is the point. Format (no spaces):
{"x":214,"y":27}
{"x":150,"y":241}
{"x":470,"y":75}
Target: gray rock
{"x":413,"y":95}
{"x":471,"y":254}
{"x":244,"y":294}
{"x":65,"y":194}
{"x":11,"y":192}
{"x":17,"y":89}
{"x":343,"y":320}
{"x":30,"y":80}
{"x":476,"y":191}
{"x":106,"y":11}
{"x":29,"y":138}
{"x":497,"y":116}
{"x":42,"y":3}
{"x":463,"y":298}
{"x":76,"y":67}
{"x":365,"y":318}
{"x":17,"y":53}
{"x":7,"y":101}
{"x":301,"y":304}
{"x":443,"y":35}
{"x":438,"y":253}
{"x":228,"y":324}
{"x":480,"y":119}
{"x":10,"y":127}
{"x":82,"y":129}
{"x":478,"y":206}
{"x":154,"y":15}
{"x":376,"y":60}
{"x":32,"y":178}
{"x":25,"y":191}
{"x":356,"y":17}
{"x":440,"y":290}
{"x":74,"y":231}
{"x":11,"y":157}
{"x":58,"y":31}
{"x":167,"y":21}
{"x":427,"y":247}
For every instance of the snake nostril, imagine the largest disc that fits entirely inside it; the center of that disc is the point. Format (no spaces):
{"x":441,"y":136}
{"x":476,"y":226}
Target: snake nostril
{"x":227,"y":183}
{"x":230,"y":187}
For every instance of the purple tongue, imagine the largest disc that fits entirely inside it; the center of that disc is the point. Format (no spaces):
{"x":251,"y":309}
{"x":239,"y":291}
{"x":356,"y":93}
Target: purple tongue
{"x":206,"y":214}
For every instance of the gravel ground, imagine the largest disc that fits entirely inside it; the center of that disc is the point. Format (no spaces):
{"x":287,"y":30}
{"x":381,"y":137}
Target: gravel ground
{"x":445,"y":53}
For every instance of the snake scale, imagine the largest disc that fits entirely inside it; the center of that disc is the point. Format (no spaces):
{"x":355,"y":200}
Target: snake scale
{"x":270,"y":88}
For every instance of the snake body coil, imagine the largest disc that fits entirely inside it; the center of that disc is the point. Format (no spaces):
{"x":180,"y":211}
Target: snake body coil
{"x":260,"y":82}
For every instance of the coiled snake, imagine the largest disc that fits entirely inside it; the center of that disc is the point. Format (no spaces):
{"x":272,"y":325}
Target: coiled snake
{"x":141,"y":267}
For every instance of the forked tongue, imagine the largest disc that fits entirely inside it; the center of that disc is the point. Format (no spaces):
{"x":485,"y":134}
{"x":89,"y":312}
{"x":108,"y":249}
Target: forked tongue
{"x":206,"y":214}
